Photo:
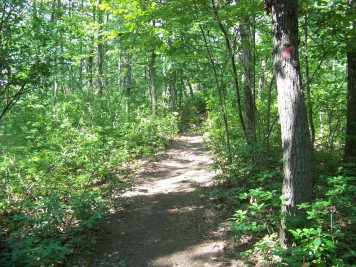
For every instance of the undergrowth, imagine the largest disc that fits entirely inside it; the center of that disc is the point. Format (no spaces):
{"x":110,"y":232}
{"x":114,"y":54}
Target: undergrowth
{"x":59,"y":166}
{"x":252,"y":204}
{"x":248,"y":193}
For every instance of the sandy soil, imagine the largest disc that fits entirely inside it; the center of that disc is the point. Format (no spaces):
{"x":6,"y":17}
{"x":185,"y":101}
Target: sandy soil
{"x":166,"y":218}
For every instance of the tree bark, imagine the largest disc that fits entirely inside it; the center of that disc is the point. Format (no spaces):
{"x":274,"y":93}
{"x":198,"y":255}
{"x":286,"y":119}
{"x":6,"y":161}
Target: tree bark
{"x":100,"y":51}
{"x":91,"y":56}
{"x":262,"y":78}
{"x":350,"y":144}
{"x":153,"y":82}
{"x":221,"y":93}
{"x":246,"y":59}
{"x":307,"y":83}
{"x":152,"y":68}
{"x":297,"y":185}
{"x":233,"y":67}
{"x":128,"y":82}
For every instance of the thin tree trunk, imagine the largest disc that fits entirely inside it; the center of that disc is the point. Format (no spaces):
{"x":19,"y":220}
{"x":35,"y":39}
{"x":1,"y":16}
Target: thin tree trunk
{"x":100,"y":50}
{"x":182,"y":88}
{"x":307,"y":81}
{"x":268,"y":116}
{"x":152,"y":68}
{"x":81,"y":65}
{"x":91,"y":57}
{"x":246,"y":59}
{"x":55,"y":70}
{"x":297,"y":185}
{"x":220,"y":93}
{"x":233,"y":67}
{"x":55,"y":91}
{"x":191,"y":92}
{"x":153,"y":82}
{"x":128,"y":83}
{"x":173,"y":91}
{"x":262,"y":78}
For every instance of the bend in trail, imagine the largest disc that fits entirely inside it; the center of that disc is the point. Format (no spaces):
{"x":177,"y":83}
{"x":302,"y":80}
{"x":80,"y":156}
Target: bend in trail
{"x":166,"y":218}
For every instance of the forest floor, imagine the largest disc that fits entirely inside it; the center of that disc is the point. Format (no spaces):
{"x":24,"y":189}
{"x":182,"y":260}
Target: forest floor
{"x":166,"y":217}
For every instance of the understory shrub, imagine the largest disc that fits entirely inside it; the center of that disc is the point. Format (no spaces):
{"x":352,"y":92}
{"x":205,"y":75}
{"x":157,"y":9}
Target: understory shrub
{"x":248,"y":192}
{"x":58,"y":168}
{"x":329,"y":234}
{"x":326,"y":238}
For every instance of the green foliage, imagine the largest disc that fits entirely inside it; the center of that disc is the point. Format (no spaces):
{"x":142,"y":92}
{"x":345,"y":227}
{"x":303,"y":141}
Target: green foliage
{"x":59,"y":165}
{"x":193,"y":112}
{"x":258,"y":215}
{"x":34,"y":251}
{"x":64,"y":146}
{"x":329,"y":235}
{"x":326,"y":238}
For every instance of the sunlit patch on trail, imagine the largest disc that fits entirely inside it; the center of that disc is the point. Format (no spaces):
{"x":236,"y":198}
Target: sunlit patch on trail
{"x":165,"y":218}
{"x":180,"y":171}
{"x":207,"y":253}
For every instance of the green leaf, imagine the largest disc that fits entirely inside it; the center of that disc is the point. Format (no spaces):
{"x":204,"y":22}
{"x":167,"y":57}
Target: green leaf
{"x":329,"y":243}
{"x":317,"y":242}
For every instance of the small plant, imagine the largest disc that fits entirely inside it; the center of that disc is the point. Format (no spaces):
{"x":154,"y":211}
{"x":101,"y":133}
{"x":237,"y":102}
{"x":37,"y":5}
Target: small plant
{"x":58,"y":169}
{"x":328,"y":237}
{"x":258,"y":215}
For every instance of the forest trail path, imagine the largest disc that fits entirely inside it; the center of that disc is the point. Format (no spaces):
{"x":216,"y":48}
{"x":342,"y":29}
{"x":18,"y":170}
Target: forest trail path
{"x":166,"y":218}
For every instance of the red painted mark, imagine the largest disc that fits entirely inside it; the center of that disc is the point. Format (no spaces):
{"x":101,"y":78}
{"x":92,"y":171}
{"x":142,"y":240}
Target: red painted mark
{"x":286,"y":52}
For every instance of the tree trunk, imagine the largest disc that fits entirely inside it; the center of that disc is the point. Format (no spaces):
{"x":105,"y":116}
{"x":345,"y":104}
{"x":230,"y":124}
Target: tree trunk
{"x":153,"y":82}
{"x":233,"y":67}
{"x":307,"y":83}
{"x":350,"y":144}
{"x":191,"y":92}
{"x":246,"y":60}
{"x":128,"y":82}
{"x":172,"y":90}
{"x":182,"y":92}
{"x":100,"y":51}
{"x":262,"y":78}
{"x":152,"y":67}
{"x":297,"y":186}
{"x":91,"y":57}
{"x":269,"y":127}
{"x":221,"y":93}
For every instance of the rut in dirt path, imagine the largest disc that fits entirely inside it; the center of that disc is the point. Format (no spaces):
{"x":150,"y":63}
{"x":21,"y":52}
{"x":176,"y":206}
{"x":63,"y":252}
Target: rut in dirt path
{"x":166,"y":218}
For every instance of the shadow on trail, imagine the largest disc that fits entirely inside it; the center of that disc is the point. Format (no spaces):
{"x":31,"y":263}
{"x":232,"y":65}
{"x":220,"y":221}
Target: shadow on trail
{"x":166,"y":218}
{"x":155,"y":230}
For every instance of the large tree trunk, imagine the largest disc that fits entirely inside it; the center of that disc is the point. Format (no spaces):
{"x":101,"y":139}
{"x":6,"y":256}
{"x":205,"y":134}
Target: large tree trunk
{"x":297,"y":186}
{"x":350,"y":144}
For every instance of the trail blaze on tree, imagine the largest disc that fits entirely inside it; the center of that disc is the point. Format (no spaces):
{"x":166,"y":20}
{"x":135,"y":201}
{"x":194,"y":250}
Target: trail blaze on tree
{"x":297,"y":186}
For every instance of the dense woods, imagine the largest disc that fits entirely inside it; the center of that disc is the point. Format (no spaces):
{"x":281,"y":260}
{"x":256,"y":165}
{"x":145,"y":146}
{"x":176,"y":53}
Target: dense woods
{"x":87,"y":87}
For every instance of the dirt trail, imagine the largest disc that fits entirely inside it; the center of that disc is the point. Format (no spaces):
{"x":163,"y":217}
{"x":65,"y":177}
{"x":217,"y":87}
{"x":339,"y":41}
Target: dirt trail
{"x":166,"y":218}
